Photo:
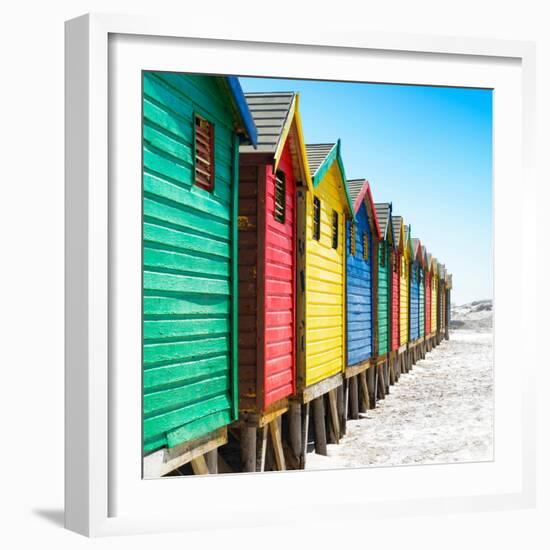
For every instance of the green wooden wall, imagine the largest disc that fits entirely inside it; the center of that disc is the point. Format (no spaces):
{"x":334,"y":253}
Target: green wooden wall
{"x":189,"y":243}
{"x":383,"y":299}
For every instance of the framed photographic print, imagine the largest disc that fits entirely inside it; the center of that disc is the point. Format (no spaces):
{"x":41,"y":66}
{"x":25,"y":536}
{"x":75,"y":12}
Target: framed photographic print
{"x":293,"y":274}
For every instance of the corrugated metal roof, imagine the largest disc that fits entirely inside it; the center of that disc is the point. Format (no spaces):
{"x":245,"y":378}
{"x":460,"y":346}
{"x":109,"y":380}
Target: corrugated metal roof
{"x":396,"y":222}
{"x":270,"y":111}
{"x":406,"y":233}
{"x":382,"y":210}
{"x":415,"y":242}
{"x":316,"y":154}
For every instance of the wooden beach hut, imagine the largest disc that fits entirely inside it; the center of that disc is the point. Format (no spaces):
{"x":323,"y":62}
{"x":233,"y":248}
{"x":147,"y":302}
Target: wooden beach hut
{"x":322,"y":209}
{"x":404,"y":290}
{"x":422,"y":301}
{"x":268,"y":176}
{"x":192,"y":127}
{"x":414,"y":297}
{"x":449,"y":287}
{"x":362,"y":244}
{"x":384,"y":295}
{"x":428,"y":301}
{"x":435,"y":289}
{"x":440,"y":302}
{"x":398,"y":231}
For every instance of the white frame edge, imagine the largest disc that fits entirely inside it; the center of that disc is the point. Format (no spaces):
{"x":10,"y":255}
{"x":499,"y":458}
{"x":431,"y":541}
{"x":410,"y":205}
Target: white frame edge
{"x":87,"y":246}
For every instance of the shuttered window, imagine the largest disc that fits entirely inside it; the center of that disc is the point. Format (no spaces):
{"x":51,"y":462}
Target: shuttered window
{"x":352,"y":236}
{"x":365,"y":245}
{"x":204,"y":153}
{"x":280,"y":194}
{"x":334,"y":229}
{"x":316,"y":218}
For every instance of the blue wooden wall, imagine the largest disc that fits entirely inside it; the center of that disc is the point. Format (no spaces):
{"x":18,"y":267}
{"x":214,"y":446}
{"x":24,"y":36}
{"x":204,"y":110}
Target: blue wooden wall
{"x":359,"y":292}
{"x":414,"y":303}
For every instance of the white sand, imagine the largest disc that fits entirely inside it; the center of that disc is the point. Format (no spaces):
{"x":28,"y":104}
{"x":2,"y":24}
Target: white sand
{"x":442,"y":411}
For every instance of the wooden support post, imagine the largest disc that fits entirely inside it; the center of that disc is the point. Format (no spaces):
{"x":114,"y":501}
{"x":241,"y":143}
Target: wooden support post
{"x":342,"y":413}
{"x":386,"y":369}
{"x":261,"y":448}
{"x":199,"y":466}
{"x":248,"y":448}
{"x":305,"y":435}
{"x":275,"y":431}
{"x":319,"y":424}
{"x":353,"y":397}
{"x":212,"y":461}
{"x":331,"y":434}
{"x":381,"y":384}
{"x":391,"y":368}
{"x":332,"y":399}
{"x":295,"y":429}
{"x":371,"y":383}
{"x":364,"y":390}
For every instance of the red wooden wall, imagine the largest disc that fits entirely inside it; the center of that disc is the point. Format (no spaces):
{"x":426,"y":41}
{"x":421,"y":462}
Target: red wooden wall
{"x":279,"y":311}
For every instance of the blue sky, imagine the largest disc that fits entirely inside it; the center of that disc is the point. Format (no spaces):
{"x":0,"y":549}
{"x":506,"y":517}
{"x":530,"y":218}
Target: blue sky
{"x":426,"y":149}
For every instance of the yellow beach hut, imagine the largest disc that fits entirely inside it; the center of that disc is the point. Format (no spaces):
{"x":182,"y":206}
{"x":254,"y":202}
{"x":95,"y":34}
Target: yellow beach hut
{"x":322,"y":209}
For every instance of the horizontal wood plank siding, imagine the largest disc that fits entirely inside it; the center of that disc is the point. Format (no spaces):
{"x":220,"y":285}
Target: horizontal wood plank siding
{"x":414,"y":306}
{"x":359,"y":306}
{"x":248,"y":295}
{"x":325,"y":305}
{"x":187,"y":263}
{"x":384,"y":302}
{"x":421,"y":305}
{"x":404,"y":302}
{"x":395,"y":292}
{"x":280,"y":266}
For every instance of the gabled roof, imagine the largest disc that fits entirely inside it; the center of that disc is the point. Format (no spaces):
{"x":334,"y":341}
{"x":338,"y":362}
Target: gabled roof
{"x":449,"y":280}
{"x":240,"y":107}
{"x":359,"y":190}
{"x":441,"y":271}
{"x":320,"y":157}
{"x":416,"y":249}
{"x":428,"y":261}
{"x":383,"y":215}
{"x":397,"y":222}
{"x":270,"y":111}
{"x":277,"y":118}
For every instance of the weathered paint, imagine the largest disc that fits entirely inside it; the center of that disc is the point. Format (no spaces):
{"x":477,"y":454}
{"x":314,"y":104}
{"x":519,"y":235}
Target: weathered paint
{"x":189,"y":267}
{"x":324,"y":277}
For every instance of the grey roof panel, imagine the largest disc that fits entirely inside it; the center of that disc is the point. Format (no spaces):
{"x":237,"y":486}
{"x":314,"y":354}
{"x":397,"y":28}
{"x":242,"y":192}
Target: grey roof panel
{"x":382,"y":210}
{"x":354,"y":188}
{"x":396,"y":225}
{"x":270,"y":111}
{"x":316,"y":154}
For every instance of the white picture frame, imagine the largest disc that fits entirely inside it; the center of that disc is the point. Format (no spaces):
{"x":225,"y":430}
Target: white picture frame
{"x":101,"y":497}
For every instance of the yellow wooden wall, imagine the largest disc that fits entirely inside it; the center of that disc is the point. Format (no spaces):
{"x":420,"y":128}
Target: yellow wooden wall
{"x":404,"y":300}
{"x":325,"y":284}
{"x":434,"y":303}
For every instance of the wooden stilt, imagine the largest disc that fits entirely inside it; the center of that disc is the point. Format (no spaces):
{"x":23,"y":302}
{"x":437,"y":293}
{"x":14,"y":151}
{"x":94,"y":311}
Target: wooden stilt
{"x":342,"y":414}
{"x":362,"y":400}
{"x":248,"y":448}
{"x":386,"y":368}
{"x":371,"y":383}
{"x":391,"y":367}
{"x":353,"y":398}
{"x":295,"y":429}
{"x":364,"y":389}
{"x":223,"y":466}
{"x":275,"y":431}
{"x":261,"y":448}
{"x":381,"y":384}
{"x":212,"y":461}
{"x":333,"y":404}
{"x":319,"y":426}
{"x":331,"y":434}
{"x":199,"y":466}
{"x":305,"y":435}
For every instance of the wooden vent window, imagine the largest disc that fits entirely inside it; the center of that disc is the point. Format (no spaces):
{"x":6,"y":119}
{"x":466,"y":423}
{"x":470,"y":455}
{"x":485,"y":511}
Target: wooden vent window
{"x":280,"y":190}
{"x":316,"y":218}
{"x":204,"y":153}
{"x":352,"y":243}
{"x":334,"y":229}
{"x":365,"y":245}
